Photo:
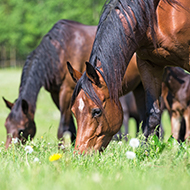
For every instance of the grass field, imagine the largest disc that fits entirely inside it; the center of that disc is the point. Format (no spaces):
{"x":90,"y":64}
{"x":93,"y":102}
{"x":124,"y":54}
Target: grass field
{"x":158,"y":165}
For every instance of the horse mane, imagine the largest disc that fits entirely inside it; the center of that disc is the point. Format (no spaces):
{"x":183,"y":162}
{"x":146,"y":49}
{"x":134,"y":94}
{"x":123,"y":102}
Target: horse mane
{"x":113,"y":54}
{"x":42,"y":65}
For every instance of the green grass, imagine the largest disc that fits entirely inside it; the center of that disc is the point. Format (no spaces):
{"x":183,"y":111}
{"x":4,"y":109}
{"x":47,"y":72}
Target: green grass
{"x":159,"y":165}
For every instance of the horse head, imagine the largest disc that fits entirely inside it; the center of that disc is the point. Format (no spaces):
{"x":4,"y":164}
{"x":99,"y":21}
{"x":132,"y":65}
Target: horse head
{"x":20,"y":121}
{"x":99,"y":117}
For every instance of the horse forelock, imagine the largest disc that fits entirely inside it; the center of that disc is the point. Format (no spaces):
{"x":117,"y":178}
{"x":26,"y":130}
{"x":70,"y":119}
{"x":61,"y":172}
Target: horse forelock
{"x":85,"y":84}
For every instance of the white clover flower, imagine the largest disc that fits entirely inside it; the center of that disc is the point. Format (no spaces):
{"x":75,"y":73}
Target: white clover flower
{"x":130,"y":155}
{"x":28,"y":149}
{"x":120,"y":143}
{"x":62,"y":147}
{"x":2,"y":142}
{"x":15,"y":140}
{"x":134,"y":143}
{"x":36,"y":159}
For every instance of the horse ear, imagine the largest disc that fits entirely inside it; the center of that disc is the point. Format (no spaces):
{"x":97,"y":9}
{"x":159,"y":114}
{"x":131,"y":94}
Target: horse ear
{"x":92,"y":74}
{"x":74,"y":73}
{"x":8,"y":104}
{"x":25,"y":106}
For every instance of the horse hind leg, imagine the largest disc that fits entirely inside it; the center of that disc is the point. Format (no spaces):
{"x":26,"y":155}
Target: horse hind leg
{"x":151,"y":76}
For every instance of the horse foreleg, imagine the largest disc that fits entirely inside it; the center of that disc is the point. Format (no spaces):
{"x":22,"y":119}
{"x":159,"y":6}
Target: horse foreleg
{"x":175,"y":124}
{"x":66,"y":121}
{"x":151,"y":76}
{"x":139,"y":95}
{"x":125,"y":116}
{"x":187,"y":122}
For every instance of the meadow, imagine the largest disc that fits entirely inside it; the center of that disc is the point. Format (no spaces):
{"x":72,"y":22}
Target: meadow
{"x":157,"y":165}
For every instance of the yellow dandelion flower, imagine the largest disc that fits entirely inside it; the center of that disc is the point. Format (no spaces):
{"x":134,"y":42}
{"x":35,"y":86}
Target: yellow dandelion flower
{"x":54,"y":157}
{"x":41,"y":137}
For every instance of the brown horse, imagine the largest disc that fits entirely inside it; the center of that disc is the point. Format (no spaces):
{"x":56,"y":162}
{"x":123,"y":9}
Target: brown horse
{"x":176,"y":96}
{"x":46,"y":66}
{"x":126,"y":27}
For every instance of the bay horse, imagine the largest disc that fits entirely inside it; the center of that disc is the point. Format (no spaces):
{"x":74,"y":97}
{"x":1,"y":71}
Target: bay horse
{"x":126,"y":27}
{"x":176,"y":98}
{"x":46,"y":67}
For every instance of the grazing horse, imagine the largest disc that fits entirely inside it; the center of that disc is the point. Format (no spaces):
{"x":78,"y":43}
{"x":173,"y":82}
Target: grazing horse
{"x":176,"y":98}
{"x":126,"y":27}
{"x":46,"y":66}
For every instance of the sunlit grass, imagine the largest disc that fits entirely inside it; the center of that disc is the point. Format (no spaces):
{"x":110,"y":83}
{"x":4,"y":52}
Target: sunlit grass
{"x":157,"y":166}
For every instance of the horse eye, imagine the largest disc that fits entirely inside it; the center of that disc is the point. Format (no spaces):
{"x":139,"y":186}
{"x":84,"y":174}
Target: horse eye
{"x":96,"y":112}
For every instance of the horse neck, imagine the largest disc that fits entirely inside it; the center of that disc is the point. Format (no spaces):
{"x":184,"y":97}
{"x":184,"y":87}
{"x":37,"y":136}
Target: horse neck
{"x":29,"y":92}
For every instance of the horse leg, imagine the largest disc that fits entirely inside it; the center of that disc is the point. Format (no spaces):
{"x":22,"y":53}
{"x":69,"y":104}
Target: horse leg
{"x":151,"y":76}
{"x":139,"y":95}
{"x":176,"y":124}
{"x":66,"y":121}
{"x":187,"y":122}
{"x":182,"y":130}
{"x":63,"y":124}
{"x":125,"y":116}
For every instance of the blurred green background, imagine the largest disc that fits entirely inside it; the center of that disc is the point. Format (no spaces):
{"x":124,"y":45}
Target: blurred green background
{"x":23,"y":23}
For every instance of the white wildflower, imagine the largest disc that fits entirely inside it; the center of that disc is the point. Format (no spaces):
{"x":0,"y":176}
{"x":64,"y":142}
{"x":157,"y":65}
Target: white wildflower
{"x":15,"y":140}
{"x":120,"y":143}
{"x":134,"y":143}
{"x":2,"y":142}
{"x":62,"y":147}
{"x":36,"y":159}
{"x":130,"y":155}
{"x":28,"y":149}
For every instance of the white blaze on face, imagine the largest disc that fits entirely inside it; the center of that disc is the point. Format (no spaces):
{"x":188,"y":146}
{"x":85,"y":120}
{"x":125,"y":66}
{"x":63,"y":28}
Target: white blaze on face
{"x":81,"y":104}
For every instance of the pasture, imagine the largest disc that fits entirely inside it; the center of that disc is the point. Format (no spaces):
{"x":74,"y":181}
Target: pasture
{"x":158,"y":164}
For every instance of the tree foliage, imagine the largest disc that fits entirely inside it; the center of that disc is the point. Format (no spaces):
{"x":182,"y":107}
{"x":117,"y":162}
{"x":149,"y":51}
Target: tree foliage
{"x":23,"y":23}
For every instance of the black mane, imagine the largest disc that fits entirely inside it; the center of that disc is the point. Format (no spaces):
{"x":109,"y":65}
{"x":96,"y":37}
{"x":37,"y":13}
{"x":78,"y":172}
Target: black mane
{"x":42,"y":65}
{"x":112,"y":45}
